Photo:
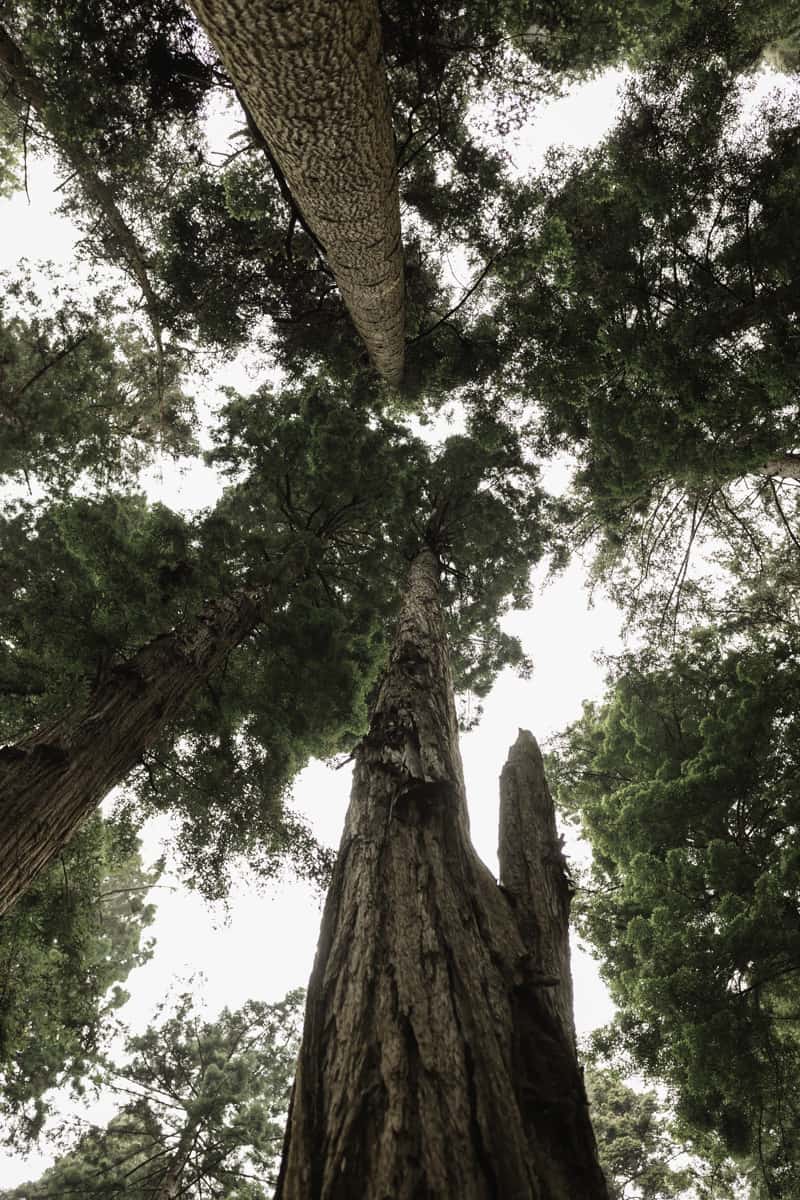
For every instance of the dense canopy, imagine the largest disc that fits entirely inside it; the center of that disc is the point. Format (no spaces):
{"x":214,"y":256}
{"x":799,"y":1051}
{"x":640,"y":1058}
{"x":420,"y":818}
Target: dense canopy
{"x":600,"y":360}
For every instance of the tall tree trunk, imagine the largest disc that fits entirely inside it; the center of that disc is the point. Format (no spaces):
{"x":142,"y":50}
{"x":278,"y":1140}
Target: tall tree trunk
{"x":435,"y":1061}
{"x":170,"y":1187}
{"x":313,"y":78}
{"x":28,"y":91}
{"x":52,"y":780}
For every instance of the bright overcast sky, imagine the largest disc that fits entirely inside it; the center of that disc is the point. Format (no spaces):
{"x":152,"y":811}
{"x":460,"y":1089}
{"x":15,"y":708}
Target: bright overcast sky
{"x":265,"y":945}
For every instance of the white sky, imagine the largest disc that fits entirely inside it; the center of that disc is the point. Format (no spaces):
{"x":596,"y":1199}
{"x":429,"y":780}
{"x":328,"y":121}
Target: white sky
{"x":267,"y":944}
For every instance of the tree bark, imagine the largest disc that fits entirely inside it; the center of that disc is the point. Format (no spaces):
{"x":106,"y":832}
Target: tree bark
{"x":313,"y":78}
{"x":170,"y":1187}
{"x":434,"y":1063}
{"x":29,"y":90}
{"x":534,"y":873}
{"x":783,"y":466}
{"x":52,"y":780}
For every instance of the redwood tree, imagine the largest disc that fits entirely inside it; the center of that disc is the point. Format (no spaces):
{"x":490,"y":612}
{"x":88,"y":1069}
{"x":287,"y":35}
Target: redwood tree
{"x":438,"y":1054}
{"x":315,"y":82}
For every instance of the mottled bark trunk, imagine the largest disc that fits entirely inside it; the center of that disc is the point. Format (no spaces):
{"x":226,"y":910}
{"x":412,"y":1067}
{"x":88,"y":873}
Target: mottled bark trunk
{"x":434,"y":1062}
{"x":783,"y":466}
{"x":53,"y":779}
{"x":313,"y":78}
{"x":27,"y":89}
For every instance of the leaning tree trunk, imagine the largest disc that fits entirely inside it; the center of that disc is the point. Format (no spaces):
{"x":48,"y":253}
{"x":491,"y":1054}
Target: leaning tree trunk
{"x":438,"y":1056}
{"x":52,"y":780}
{"x":313,"y":78}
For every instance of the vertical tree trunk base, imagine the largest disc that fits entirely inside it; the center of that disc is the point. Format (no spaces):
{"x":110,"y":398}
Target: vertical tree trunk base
{"x":433,"y":1064}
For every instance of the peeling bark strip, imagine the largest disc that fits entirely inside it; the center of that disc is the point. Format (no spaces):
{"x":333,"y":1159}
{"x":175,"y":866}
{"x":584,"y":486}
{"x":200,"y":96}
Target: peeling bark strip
{"x":313,"y":78}
{"x":433,"y":1063}
{"x":51,"y":781}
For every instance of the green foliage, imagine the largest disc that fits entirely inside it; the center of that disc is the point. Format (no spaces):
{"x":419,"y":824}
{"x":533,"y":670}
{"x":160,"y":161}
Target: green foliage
{"x":643,"y":1154}
{"x":65,"y":949}
{"x":87,"y":581}
{"x":640,"y":264}
{"x":10,"y":152}
{"x":574,"y":38}
{"x":77,"y":390}
{"x":327,"y":505}
{"x":686,"y":784}
{"x":116,"y":79}
{"x":205,"y":1105}
{"x":648,"y":311}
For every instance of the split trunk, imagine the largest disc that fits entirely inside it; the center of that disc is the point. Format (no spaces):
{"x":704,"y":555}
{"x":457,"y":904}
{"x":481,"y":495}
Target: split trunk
{"x":313,"y":78}
{"x":52,"y":780}
{"x":438,"y":1056}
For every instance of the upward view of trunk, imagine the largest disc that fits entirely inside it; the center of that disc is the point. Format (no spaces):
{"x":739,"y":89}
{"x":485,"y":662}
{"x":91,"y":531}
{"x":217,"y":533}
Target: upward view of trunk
{"x":438,"y":1056}
{"x":313,"y":78}
{"x":171,"y":1185}
{"x":25,"y":89}
{"x":52,"y":780}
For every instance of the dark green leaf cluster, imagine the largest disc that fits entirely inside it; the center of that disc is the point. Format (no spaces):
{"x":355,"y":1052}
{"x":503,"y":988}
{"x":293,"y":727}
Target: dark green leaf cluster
{"x":116,"y":77}
{"x":638,"y":268}
{"x":65,"y":949}
{"x":686,"y":784}
{"x":87,"y":581}
{"x":648,"y":310}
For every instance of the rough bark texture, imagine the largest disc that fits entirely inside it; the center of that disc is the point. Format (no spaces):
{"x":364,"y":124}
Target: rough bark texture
{"x":533,"y":872}
{"x":783,"y":466}
{"x":434,"y":1063}
{"x":26,"y":89}
{"x":313,"y":78}
{"x":53,"y":779}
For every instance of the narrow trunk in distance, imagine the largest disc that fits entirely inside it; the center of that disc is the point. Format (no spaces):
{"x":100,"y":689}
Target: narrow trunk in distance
{"x":438,"y":1057}
{"x":171,"y":1185}
{"x":53,"y":779}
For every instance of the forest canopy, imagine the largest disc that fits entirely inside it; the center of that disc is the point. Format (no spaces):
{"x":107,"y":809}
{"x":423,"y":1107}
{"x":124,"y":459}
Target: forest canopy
{"x":599,"y":365}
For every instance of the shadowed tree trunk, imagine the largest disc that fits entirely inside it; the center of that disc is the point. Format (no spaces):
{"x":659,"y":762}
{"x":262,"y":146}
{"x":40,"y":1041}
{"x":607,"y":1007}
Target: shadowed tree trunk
{"x":773,"y":306}
{"x":783,"y":466}
{"x":533,"y":873}
{"x":313,"y":79}
{"x":52,"y":780}
{"x":438,"y":1057}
